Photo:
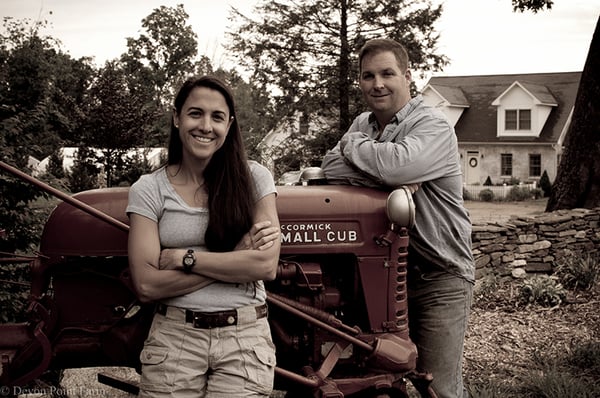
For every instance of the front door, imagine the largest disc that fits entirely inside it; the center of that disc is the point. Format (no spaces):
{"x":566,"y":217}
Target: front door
{"x":472,"y":168}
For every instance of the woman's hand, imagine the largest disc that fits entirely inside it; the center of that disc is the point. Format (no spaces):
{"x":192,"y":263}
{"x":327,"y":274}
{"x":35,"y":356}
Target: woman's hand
{"x":260,"y":237}
{"x":168,"y":260}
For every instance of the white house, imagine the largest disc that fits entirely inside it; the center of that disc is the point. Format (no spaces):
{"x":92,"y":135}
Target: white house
{"x":508,"y":127}
{"x":153,"y":155}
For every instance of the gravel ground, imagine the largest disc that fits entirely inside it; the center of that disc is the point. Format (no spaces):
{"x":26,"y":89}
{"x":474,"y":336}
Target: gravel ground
{"x":483,"y":212}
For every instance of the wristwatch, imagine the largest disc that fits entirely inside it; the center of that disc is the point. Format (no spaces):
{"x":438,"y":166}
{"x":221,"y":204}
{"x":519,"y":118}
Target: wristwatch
{"x":188,"y":262}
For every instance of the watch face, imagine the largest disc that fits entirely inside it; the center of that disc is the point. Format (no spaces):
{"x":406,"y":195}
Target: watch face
{"x":189,"y":260}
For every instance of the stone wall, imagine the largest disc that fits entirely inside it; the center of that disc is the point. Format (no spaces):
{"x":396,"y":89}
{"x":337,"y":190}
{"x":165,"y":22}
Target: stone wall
{"x":529,"y":245}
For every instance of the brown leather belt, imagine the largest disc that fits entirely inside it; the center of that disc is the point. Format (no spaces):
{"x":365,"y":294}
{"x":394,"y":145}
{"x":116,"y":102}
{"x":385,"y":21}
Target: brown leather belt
{"x":210,"y":320}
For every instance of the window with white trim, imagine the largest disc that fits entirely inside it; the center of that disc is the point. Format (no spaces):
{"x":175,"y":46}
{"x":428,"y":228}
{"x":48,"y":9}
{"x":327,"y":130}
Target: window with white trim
{"x":517,"y":119}
{"x":535,"y":165}
{"x":506,"y":167}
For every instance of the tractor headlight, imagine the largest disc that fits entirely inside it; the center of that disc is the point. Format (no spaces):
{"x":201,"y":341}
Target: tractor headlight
{"x":400,"y":207}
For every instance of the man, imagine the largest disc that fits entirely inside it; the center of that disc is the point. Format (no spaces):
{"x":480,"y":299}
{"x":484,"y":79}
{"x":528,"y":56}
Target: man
{"x":403,"y":142}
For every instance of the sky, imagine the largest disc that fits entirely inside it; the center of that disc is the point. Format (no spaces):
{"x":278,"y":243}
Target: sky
{"x":480,"y":37}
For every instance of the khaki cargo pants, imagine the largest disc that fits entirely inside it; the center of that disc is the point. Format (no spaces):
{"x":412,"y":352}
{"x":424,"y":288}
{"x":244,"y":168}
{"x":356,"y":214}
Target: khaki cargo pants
{"x":179,"y":360}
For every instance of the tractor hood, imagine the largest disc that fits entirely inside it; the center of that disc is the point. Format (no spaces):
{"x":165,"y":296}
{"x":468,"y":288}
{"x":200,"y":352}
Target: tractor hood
{"x":343,"y":218}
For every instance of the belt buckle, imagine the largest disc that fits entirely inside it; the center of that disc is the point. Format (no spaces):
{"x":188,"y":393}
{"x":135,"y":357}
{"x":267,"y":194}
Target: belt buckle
{"x":210,"y":321}
{"x":231,"y":320}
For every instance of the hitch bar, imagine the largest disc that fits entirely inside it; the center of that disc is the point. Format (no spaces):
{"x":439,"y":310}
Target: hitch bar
{"x":64,"y":197}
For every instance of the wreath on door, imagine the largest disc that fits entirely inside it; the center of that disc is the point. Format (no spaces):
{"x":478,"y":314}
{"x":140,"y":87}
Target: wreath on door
{"x":473,"y":162}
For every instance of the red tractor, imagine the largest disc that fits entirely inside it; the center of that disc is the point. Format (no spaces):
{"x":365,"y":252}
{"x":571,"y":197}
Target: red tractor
{"x":338,"y":307}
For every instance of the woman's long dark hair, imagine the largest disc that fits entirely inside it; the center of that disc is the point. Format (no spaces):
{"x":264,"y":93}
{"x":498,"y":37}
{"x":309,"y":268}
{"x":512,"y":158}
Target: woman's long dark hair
{"x":227,"y":176}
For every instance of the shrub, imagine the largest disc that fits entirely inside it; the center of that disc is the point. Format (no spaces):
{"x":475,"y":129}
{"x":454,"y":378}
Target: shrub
{"x":486,"y":195}
{"x":555,"y":383}
{"x":545,"y":184}
{"x":494,"y":291}
{"x":487,"y":389}
{"x":14,"y":289}
{"x":536,"y":193}
{"x":585,"y":356}
{"x":513,"y":181}
{"x":488,"y":182}
{"x":466,"y":195}
{"x":518,"y":194}
{"x":543,"y":290}
{"x":579,"y":272}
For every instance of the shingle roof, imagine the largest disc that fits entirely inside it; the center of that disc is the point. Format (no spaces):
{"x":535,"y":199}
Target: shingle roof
{"x":541,"y":92}
{"x":478,"y":121}
{"x":454,"y":95}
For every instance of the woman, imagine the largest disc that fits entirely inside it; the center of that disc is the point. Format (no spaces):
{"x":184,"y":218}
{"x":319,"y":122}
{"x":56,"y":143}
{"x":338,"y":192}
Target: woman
{"x":204,"y":234}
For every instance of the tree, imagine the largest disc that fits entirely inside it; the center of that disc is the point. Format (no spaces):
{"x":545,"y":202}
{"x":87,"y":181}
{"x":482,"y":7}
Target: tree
{"x":39,"y":92}
{"x":533,"y":5}
{"x":117,"y":117}
{"x":254,"y":109}
{"x":305,"y":52}
{"x":163,"y":55}
{"x":84,"y":173}
{"x":55,"y":164}
{"x":131,"y":167}
{"x":41,"y":88}
{"x":159,"y":60}
{"x":577,"y":183}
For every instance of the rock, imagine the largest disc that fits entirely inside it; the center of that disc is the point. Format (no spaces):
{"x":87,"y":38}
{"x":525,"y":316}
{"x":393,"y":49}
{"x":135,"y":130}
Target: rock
{"x":519,"y":273}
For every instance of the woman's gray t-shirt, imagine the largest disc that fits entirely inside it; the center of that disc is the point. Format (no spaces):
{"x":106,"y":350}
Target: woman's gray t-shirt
{"x":182,"y":226}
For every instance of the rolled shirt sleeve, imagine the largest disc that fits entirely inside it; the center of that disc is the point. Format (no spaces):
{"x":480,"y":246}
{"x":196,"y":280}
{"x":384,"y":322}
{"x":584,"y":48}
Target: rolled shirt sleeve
{"x":396,"y":159}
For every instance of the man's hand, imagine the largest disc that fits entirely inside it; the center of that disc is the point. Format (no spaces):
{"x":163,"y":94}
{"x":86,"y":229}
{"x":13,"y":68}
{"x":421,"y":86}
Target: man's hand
{"x":413,"y":187}
{"x":349,"y":138}
{"x":260,"y":237}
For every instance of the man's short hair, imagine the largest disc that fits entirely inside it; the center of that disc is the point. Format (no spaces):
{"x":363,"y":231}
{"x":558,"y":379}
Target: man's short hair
{"x":376,"y":46}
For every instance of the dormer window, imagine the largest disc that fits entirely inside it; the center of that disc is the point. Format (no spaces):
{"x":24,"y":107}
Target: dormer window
{"x":523,"y":109}
{"x":517,"y":119}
